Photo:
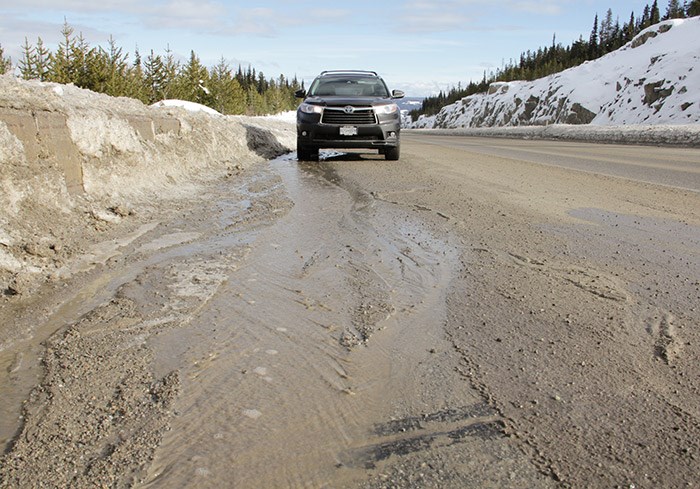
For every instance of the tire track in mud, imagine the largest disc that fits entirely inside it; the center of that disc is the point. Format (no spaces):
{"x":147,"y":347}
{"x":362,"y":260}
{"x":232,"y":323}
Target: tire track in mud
{"x":317,"y":337}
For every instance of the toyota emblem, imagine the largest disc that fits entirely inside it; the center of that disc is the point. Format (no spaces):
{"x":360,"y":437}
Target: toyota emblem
{"x":349,"y":109}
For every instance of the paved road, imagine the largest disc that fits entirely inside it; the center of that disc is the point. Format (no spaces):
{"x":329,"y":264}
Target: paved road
{"x":675,"y":167}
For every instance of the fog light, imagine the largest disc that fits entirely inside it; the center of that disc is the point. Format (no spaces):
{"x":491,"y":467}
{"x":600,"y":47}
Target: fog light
{"x":304,"y":133}
{"x":392,"y":134}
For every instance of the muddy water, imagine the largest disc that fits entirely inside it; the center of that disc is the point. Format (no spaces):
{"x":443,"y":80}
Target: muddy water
{"x":314,"y":340}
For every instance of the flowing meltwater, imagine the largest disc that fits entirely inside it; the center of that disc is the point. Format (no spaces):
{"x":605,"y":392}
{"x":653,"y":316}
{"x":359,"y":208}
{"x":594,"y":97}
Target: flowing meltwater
{"x":307,"y":346}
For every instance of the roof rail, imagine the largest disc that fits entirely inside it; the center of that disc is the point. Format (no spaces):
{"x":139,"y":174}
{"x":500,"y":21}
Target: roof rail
{"x":348,"y":72}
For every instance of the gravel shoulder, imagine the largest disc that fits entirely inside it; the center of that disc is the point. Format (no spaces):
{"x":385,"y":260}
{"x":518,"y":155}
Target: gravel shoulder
{"x":574,"y":310}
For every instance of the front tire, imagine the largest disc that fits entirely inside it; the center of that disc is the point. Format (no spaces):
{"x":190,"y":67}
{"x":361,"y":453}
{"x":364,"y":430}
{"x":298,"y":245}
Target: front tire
{"x":393,"y":153}
{"x":305,"y":153}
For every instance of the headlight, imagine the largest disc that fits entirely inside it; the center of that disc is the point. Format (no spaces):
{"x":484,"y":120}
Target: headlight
{"x":386,"y":109}
{"x":311,"y":109}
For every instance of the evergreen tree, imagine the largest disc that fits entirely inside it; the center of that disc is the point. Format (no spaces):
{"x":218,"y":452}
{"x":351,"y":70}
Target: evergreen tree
{"x":34,"y":64}
{"x":117,"y":80}
{"x":60,"y":71}
{"x":5,"y":62}
{"x":606,"y":28}
{"x":42,"y":58}
{"x":170,"y":69}
{"x":593,"y":40}
{"x":674,"y":10}
{"x":136,"y":85}
{"x":192,"y":80}
{"x":79,"y":60}
{"x":28,"y":61}
{"x":693,"y":8}
{"x":154,"y":77}
{"x":255,"y":103}
{"x":646,"y":18}
{"x":655,"y":15}
{"x":630,"y":29}
{"x":227,"y":95}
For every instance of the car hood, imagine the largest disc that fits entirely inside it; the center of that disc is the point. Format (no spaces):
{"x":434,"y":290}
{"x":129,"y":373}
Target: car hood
{"x":343,"y":101}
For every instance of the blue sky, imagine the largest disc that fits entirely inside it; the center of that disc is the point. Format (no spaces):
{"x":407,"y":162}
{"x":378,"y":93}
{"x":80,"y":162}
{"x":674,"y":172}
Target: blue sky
{"x":416,"y":45}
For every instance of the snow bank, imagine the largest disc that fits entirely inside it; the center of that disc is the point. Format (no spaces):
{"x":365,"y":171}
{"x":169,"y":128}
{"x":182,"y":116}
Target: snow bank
{"x":654,"y":79}
{"x":189,"y":106}
{"x":676,"y":135}
{"x":73,"y":163}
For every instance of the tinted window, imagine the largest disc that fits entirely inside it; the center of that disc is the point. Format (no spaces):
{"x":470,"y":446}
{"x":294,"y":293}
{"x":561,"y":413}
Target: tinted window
{"x":348,"y":86}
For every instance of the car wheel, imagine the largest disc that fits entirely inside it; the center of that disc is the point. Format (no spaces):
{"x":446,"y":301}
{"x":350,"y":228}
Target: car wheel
{"x":305,"y":153}
{"x":393,"y":153}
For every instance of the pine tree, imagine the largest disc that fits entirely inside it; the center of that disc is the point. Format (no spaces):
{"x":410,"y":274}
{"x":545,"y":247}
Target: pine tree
{"x":154,"y":77}
{"x":645,"y":21}
{"x":674,"y":10}
{"x":136,"y":86}
{"x":80,"y":57}
{"x":655,"y":16}
{"x":116,"y":70}
{"x":606,"y":27}
{"x":593,"y":40}
{"x":5,"y":62}
{"x":226,"y":93}
{"x":27,"y":64}
{"x":192,"y":80}
{"x":170,"y":69}
{"x":42,"y":59}
{"x":60,"y":71}
{"x":255,"y":103}
{"x":693,"y":8}
{"x":630,"y":29}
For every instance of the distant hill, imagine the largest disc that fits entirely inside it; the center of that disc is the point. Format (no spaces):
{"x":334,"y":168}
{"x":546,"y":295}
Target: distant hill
{"x":409,"y":103}
{"x":654,"y":79}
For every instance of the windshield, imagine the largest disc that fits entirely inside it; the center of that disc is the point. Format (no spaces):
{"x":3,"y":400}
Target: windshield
{"x":348,"y":86}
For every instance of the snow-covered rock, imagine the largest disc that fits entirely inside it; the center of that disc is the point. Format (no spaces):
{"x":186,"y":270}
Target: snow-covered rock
{"x":654,"y":79}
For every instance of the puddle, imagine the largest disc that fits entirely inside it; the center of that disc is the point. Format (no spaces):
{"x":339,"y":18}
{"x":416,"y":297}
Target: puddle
{"x":294,"y":334}
{"x":285,"y":401}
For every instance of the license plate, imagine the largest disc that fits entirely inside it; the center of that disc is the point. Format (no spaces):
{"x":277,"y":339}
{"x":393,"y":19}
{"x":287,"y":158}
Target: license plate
{"x":348,"y":131}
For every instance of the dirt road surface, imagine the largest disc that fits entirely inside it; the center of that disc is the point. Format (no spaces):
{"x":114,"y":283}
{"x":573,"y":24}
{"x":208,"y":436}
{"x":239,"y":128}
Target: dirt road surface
{"x":482,"y":313}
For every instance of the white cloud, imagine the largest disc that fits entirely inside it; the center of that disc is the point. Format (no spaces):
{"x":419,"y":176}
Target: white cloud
{"x":79,"y":6}
{"x":433,"y":22}
{"x":548,"y":8}
{"x":187,"y":14}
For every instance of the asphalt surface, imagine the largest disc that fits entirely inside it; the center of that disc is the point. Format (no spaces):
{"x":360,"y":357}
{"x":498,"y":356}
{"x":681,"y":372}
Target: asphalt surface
{"x":675,"y":167}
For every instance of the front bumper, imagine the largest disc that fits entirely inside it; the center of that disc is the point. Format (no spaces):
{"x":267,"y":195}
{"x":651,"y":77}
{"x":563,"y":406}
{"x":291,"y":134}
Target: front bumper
{"x":314,"y":134}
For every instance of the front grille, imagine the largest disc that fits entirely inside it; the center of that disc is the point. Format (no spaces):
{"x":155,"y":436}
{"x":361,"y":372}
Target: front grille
{"x":334,"y":137}
{"x":361,"y":116}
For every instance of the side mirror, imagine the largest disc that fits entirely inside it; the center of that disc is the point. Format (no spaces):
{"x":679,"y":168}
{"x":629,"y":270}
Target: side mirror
{"x":397,"y":94}
{"x":300,"y":93}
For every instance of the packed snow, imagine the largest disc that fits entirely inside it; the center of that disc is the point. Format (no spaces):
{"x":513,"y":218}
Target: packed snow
{"x":652,"y":80}
{"x":189,"y":106}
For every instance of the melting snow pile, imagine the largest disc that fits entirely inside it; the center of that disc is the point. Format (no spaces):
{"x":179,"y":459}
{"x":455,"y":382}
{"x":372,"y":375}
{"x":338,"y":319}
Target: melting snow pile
{"x":189,"y":106}
{"x":73,"y":163}
{"x":654,"y":79}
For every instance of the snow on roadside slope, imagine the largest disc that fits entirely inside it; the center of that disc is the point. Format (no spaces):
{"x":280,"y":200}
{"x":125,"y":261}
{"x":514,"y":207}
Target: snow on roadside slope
{"x":74,"y":163}
{"x":654,"y":79}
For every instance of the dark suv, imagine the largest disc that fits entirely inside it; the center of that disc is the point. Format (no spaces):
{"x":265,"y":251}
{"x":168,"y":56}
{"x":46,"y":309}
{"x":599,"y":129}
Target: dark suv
{"x":348,"y":109}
